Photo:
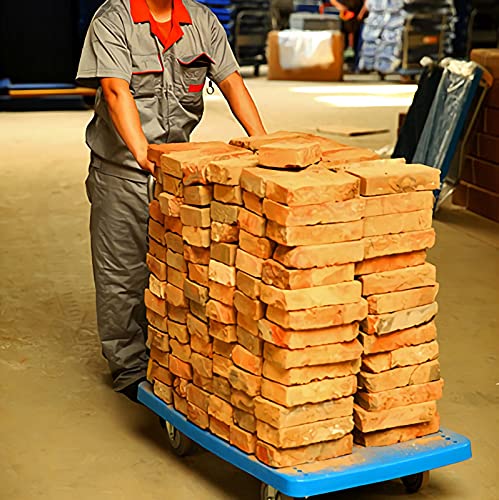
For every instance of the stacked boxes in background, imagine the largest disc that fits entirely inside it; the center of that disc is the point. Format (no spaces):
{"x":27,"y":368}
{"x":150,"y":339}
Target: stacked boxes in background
{"x":479,"y":189}
{"x":253,"y":303}
{"x":399,"y":382}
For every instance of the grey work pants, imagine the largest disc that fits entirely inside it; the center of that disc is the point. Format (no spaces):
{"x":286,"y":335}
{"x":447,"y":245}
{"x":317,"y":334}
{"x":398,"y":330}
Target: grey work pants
{"x":118,"y":230}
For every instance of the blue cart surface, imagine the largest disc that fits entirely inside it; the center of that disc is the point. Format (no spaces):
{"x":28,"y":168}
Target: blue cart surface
{"x":364,"y":466}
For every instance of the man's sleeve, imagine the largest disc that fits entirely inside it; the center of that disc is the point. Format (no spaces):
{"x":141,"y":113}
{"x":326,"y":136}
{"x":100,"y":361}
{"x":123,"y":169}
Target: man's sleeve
{"x":225,"y":62}
{"x":105,"y":54}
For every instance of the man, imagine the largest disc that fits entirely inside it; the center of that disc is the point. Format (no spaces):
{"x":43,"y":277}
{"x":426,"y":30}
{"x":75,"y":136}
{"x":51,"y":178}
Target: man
{"x":148,"y":60}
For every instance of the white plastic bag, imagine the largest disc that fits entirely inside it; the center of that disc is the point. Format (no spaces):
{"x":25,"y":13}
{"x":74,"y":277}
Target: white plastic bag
{"x":303,"y":49}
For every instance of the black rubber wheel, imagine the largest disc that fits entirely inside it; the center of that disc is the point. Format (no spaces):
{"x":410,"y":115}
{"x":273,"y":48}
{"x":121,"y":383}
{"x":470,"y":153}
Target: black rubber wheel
{"x":269,"y":493}
{"x":257,"y":70}
{"x":180,"y":443}
{"x":415,"y":482}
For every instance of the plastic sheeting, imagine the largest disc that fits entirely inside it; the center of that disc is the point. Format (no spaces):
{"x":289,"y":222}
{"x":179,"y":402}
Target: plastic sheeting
{"x":304,"y":49}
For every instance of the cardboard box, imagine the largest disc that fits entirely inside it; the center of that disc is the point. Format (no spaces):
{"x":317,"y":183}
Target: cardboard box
{"x":483,"y":202}
{"x":331,"y":73}
{"x":488,"y":58}
{"x":491,"y":121}
{"x":492,"y":98}
{"x":487,"y":147}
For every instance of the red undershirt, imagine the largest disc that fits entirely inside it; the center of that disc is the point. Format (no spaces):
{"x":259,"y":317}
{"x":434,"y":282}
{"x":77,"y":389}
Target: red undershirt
{"x":165,"y":29}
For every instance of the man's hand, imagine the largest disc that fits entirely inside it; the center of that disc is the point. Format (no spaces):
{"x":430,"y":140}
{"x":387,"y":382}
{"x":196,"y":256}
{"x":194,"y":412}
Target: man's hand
{"x":242,"y":105}
{"x":126,"y":119}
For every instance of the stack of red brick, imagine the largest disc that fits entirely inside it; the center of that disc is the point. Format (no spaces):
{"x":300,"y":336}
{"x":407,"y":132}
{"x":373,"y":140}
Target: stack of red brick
{"x":253,"y":305}
{"x":399,"y":383}
{"x":479,"y":189}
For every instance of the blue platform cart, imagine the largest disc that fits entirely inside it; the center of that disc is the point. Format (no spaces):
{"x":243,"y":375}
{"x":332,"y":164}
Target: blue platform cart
{"x":411,"y":461}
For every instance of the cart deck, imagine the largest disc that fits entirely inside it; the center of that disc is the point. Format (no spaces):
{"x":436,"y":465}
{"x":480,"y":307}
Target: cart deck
{"x":364,"y":466}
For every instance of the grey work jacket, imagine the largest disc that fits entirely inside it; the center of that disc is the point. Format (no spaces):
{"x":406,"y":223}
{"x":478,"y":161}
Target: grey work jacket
{"x":167,"y":85}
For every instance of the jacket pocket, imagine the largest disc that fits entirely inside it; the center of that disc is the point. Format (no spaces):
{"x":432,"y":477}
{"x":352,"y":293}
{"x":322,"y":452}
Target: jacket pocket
{"x":147,"y":75}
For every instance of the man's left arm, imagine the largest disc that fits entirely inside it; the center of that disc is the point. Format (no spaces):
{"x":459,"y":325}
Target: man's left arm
{"x":242,"y":105}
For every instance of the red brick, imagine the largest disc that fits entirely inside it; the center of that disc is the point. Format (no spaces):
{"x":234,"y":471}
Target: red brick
{"x":395,"y":301}
{"x":223,"y":332}
{"x":399,"y":203}
{"x":400,"y":377}
{"x":246,"y":360}
{"x":382,"y":324}
{"x":175,"y":296}
{"x":195,"y":292}
{"x":158,"y":372}
{"x":198,"y":416}
{"x":373,"y":344}
{"x":222,"y":273}
{"x":172,"y":185}
{"x":173,"y":224}
{"x":390,"y":263}
{"x":199,"y":274}
{"x":220,"y":429}
{"x":249,"y":341}
{"x":176,"y":278}
{"x":396,"y":435}
{"x":309,"y":215}
{"x":376,"y":246}
{"x":291,"y":339}
{"x":243,"y":440}
{"x":228,"y":194}
{"x":180,"y":368}
{"x":248,"y":324}
{"x":159,"y":322}
{"x":308,"y":257}
{"x":318,"y":317}
{"x":314,"y":392}
{"x":180,"y":404}
{"x":281,"y":417}
{"x":178,"y":331}
{"x":159,"y":356}
{"x":228,"y":172}
{"x":307,"y":374}
{"x":198,"y":310}
{"x":310,"y":356}
{"x":220,"y":312}
{"x":305,"y":434}
{"x":221,"y":388}
{"x":274,"y":273}
{"x":242,"y":401}
{"x":400,"y":279}
{"x":220,"y":409}
{"x":197,"y":255}
{"x":154,"y":303}
{"x":157,"y":250}
{"x":311,"y":187}
{"x":249,"y":285}
{"x":164,"y":392}
{"x":205,"y":383}
{"x":222,"y":293}
{"x":390,"y":178}
{"x":252,"y":223}
{"x":405,"y":356}
{"x":369,"y":421}
{"x":289,"y":154}
{"x":222,"y":365}
{"x":198,"y":397}
{"x":245,"y":420}
{"x":306,"y":454}
{"x":159,"y":339}
{"x":321,"y":234}
{"x":202,"y":365}
{"x":305,"y":298}
{"x":224,"y":213}
{"x":224,"y":233}
{"x":223,"y":348}
{"x":170,"y":205}
{"x":224,"y":252}
{"x":255,"y":180}
{"x":404,"y":396}
{"x":195,"y":216}
{"x":255,"y":309}
{"x":157,"y":231}
{"x":198,"y":195}
{"x":157,"y":287}
{"x":180,"y":387}
{"x":259,"y":247}
{"x":249,"y":263}
{"x":176,"y":261}
{"x":202,"y":346}
{"x":156,"y":267}
{"x":196,"y":236}
{"x":244,"y":381}
{"x":398,"y":223}
{"x":253,"y":203}
{"x":181,"y":351}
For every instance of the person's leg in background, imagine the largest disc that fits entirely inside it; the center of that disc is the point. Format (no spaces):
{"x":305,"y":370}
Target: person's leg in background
{"x":118,"y":229}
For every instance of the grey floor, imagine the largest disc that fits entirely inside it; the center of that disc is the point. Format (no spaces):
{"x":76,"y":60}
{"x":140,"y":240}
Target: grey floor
{"x":65,"y":435}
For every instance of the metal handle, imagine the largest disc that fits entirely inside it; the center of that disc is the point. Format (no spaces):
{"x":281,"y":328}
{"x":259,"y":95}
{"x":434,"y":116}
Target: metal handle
{"x":151,"y":185}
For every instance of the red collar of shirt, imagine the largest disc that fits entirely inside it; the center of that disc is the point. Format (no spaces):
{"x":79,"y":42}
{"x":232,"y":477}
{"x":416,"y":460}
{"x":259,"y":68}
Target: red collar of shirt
{"x":180,"y":15}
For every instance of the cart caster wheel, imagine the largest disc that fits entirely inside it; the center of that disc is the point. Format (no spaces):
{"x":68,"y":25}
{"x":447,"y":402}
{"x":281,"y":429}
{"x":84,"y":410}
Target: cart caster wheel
{"x":415,"y":482}
{"x":181,"y":444}
{"x":269,"y":493}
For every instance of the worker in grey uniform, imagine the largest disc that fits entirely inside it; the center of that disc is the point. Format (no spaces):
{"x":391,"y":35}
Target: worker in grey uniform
{"x":148,"y":60}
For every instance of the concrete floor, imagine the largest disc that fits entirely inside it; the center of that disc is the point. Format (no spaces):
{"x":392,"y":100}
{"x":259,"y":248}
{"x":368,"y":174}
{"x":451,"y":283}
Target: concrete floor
{"x":65,"y":435}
